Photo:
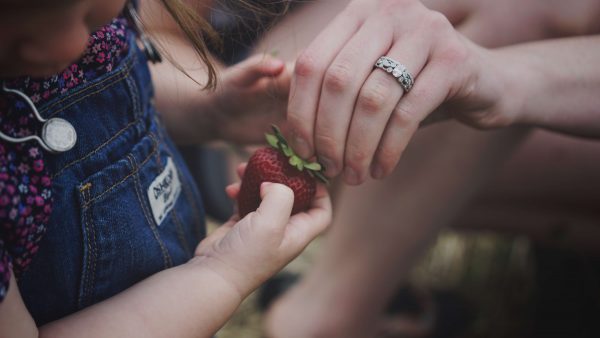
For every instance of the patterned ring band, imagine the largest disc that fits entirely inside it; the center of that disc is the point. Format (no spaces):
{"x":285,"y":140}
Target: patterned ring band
{"x":397,"y":70}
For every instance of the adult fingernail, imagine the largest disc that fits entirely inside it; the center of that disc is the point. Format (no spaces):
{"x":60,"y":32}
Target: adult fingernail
{"x":301,"y":147}
{"x":351,"y":176}
{"x":377,"y":172}
{"x":330,"y":168}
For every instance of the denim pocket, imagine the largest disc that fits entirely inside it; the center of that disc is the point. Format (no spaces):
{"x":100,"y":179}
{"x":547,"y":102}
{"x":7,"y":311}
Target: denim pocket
{"x":138,"y":217}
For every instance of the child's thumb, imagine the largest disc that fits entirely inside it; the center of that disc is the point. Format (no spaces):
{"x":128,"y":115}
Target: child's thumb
{"x":276,"y":206}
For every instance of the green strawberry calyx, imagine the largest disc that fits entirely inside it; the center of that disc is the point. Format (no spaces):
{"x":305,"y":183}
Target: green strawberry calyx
{"x":277,"y":141}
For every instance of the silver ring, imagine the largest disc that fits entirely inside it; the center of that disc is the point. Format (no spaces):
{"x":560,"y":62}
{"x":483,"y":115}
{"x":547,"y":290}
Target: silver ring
{"x":397,"y":70}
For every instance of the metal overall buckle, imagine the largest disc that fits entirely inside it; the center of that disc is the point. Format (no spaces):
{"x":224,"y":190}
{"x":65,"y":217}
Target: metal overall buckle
{"x":58,"y":135}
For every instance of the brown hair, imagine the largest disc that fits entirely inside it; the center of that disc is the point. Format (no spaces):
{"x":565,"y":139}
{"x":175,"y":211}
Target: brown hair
{"x":200,"y":33}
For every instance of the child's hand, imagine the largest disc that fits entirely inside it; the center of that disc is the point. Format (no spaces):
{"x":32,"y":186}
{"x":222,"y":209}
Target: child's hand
{"x":250,"y":97}
{"x":248,"y":251}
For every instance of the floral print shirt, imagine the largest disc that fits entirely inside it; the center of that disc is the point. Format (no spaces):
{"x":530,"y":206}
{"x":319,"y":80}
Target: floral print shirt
{"x":25,"y":184}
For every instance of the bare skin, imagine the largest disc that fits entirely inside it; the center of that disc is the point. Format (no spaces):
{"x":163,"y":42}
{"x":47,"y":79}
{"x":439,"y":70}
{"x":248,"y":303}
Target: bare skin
{"x":352,"y":263}
{"x":194,"y":299}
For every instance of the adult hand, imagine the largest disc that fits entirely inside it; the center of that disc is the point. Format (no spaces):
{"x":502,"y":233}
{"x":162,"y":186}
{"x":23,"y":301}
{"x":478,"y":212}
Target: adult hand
{"x":248,"y":251}
{"x":358,"y":119}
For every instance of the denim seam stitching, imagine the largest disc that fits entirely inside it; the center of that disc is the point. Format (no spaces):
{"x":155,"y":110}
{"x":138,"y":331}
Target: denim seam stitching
{"x":137,"y":110}
{"x":180,"y":232}
{"x":97,"y":149}
{"x":92,"y":280}
{"x":85,"y":272}
{"x":168,"y":262}
{"x":91,"y":243}
{"x":134,"y":171}
{"x":189,"y":196}
{"x":178,"y":225}
{"x":77,"y":100}
{"x":123,"y":73}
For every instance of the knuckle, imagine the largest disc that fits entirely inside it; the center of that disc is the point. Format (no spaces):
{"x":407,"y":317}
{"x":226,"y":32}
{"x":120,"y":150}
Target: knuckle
{"x":438,"y":22}
{"x":372,"y":99}
{"x":327,"y":146}
{"x":403,"y":117}
{"x":338,"y":77}
{"x":356,"y":157}
{"x":306,"y":65}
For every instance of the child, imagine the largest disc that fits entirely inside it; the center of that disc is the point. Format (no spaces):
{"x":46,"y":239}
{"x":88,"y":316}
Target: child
{"x":100,"y":220}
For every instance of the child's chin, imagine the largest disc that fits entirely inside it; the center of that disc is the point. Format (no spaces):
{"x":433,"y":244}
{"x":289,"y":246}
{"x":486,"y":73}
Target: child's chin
{"x":36,"y":71}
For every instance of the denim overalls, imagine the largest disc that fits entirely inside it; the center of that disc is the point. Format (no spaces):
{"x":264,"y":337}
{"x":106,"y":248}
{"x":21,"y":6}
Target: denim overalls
{"x":125,"y":206}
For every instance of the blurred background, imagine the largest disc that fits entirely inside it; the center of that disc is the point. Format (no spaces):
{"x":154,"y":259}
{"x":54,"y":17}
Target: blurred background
{"x":490,"y":286}
{"x":476,"y":283}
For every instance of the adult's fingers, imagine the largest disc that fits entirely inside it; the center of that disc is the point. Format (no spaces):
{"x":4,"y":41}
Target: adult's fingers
{"x":341,"y":85}
{"x":430,"y":90}
{"x":376,"y":101}
{"x":457,"y":11}
{"x":308,"y":76}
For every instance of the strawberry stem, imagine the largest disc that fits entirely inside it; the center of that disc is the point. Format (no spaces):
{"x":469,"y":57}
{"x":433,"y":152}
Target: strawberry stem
{"x":277,"y":141}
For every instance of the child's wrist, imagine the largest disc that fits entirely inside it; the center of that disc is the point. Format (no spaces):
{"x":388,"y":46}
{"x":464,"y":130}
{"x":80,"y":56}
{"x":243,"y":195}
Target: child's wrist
{"x":228,"y":277}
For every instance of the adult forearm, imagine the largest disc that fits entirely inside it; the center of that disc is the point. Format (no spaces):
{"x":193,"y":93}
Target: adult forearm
{"x":557,"y":84}
{"x":185,"y":301}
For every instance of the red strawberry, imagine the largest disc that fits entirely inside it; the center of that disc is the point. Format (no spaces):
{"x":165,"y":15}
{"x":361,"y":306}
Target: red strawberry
{"x":278,"y":164}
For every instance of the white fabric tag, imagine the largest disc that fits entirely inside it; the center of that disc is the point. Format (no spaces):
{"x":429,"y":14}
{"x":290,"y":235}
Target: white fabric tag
{"x":164,"y":191}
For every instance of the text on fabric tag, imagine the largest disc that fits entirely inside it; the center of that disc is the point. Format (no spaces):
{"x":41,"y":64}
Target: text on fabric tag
{"x":164,"y":191}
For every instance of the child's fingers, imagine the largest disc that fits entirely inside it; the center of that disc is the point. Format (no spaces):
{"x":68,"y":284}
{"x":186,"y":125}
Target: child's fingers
{"x":305,"y":226}
{"x":284,"y":80}
{"x":241,"y":169}
{"x":255,"y":68}
{"x":320,"y":210}
{"x":322,"y":199}
{"x":276,"y":206}
{"x":276,"y":87}
{"x":233,"y":190}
